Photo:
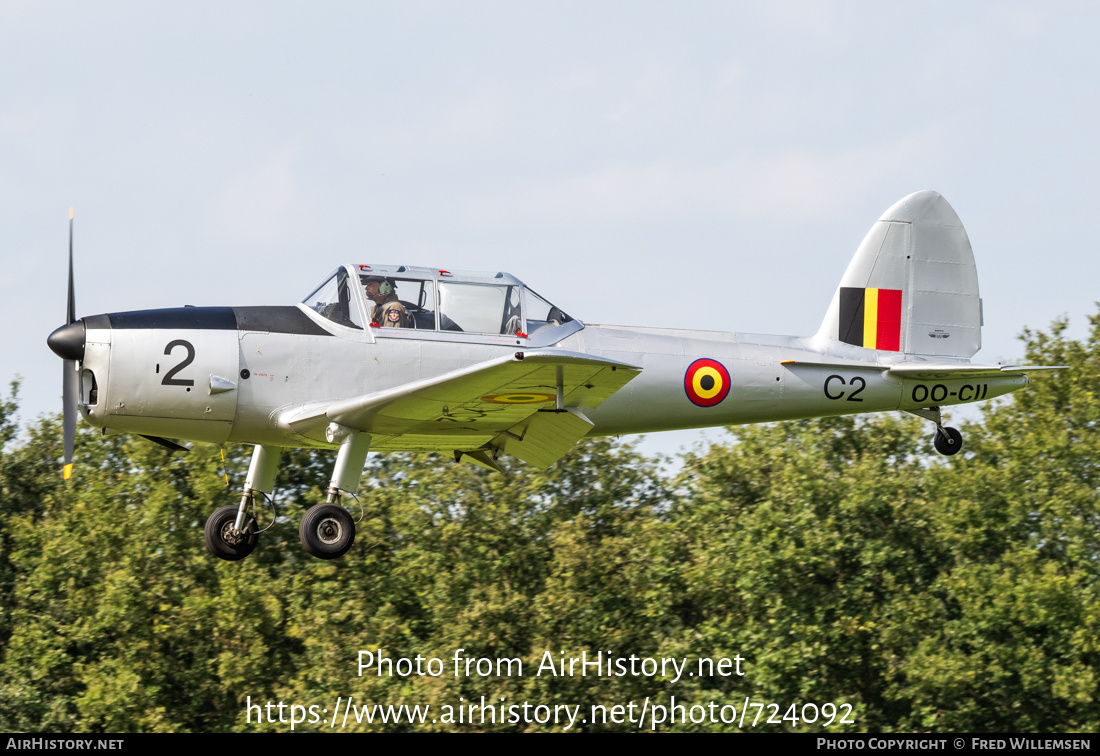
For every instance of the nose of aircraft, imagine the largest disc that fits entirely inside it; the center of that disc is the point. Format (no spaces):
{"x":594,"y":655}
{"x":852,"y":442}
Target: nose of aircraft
{"x":67,"y":342}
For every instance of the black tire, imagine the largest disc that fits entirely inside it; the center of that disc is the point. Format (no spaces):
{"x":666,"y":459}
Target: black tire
{"x":218,"y":540}
{"x":951,"y":444}
{"x":327,"y":531}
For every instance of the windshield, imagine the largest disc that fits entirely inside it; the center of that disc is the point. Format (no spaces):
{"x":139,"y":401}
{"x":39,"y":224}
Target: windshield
{"x":540,"y":313}
{"x":333,"y":300}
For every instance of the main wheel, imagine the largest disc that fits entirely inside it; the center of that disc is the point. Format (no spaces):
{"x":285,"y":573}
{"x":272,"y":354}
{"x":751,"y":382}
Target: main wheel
{"x":950,"y":444}
{"x":327,"y":531}
{"x":223,"y":542}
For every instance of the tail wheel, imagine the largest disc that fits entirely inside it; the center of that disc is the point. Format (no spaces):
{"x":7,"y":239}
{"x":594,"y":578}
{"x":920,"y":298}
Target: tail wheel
{"x":949,"y":444}
{"x":226,"y":543}
{"x":327,"y":531}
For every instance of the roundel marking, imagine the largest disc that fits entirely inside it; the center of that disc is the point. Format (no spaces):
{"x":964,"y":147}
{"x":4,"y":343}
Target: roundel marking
{"x":519,"y":398}
{"x":706,"y":382}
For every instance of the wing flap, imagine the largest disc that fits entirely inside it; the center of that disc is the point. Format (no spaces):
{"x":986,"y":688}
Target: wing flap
{"x":543,"y":438}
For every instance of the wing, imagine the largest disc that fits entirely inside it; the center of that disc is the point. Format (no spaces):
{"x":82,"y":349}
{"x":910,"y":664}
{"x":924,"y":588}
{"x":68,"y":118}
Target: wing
{"x":509,"y":403}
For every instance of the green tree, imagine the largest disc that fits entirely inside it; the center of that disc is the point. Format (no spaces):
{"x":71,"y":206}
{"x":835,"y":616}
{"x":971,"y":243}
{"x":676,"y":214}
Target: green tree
{"x":1014,"y":624}
{"x":796,"y":540}
{"x":120,"y":621}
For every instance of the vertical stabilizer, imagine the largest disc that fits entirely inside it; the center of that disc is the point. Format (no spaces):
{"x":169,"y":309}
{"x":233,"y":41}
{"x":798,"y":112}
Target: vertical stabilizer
{"x":912,"y":286}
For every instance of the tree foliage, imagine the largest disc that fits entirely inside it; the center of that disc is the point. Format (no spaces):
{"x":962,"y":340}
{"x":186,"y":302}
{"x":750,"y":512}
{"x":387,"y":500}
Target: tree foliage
{"x":840,"y":558}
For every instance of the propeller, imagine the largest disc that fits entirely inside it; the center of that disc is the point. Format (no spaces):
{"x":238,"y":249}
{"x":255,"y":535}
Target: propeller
{"x":71,"y":382}
{"x":67,"y":342}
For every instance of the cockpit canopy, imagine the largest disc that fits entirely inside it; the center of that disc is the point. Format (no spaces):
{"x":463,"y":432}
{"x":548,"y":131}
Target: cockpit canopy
{"x":433,"y":300}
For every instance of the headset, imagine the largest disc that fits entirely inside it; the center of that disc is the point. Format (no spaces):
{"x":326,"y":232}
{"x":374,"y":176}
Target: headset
{"x":385,"y":287}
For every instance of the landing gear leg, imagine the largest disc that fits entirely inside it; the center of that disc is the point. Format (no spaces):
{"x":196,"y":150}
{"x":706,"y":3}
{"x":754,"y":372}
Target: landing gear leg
{"x":948,"y":441}
{"x":231,"y":531}
{"x":328,"y":530}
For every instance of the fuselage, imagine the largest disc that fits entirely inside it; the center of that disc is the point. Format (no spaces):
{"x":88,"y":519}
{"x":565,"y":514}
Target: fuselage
{"x":230,"y":374}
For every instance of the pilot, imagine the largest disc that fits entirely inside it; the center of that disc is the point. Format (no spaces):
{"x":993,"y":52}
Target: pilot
{"x":387,"y":311}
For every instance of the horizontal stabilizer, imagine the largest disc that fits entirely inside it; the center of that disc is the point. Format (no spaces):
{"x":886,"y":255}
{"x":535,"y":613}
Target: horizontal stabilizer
{"x":925,"y":370}
{"x":1026,"y":368}
{"x":929,"y":370}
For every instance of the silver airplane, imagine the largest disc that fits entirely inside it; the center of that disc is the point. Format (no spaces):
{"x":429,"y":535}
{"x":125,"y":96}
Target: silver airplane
{"x":476,"y":365}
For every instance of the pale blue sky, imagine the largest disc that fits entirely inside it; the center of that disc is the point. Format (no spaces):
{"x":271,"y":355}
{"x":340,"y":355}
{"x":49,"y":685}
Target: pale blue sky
{"x":714,"y":164}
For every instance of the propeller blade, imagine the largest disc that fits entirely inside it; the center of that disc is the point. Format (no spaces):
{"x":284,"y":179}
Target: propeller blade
{"x":72,"y":296}
{"x":70,"y":397}
{"x":70,"y":381}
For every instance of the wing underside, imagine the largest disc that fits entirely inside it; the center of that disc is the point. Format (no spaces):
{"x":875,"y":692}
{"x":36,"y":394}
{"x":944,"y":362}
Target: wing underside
{"x":529,"y":404}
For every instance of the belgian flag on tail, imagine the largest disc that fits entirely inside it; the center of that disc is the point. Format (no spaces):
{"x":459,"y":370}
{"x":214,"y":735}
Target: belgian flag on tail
{"x":871,"y":318}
